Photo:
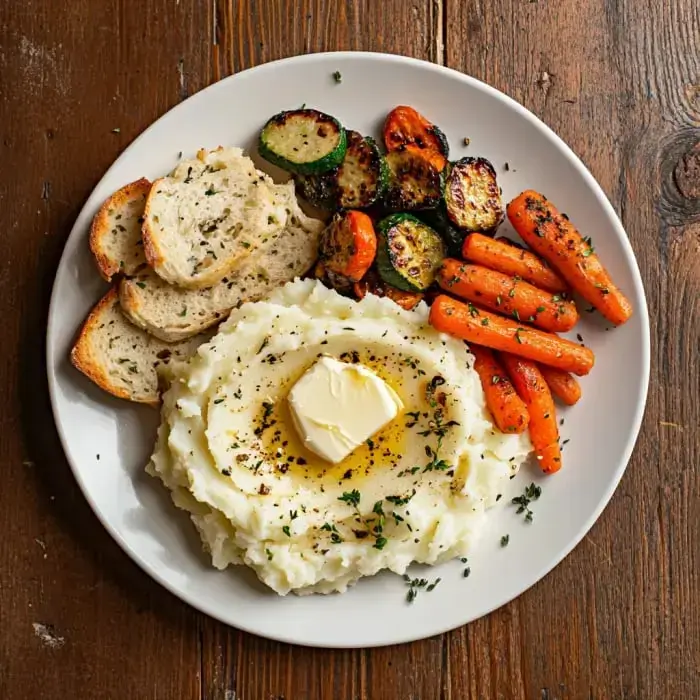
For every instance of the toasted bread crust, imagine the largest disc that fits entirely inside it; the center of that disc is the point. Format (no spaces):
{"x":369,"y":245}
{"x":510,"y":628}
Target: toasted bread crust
{"x":100,"y":227}
{"x":84,"y":360}
{"x":150,"y":242}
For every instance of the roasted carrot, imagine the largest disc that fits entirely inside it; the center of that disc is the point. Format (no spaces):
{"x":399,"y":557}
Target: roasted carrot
{"x":475,"y":325}
{"x":533,"y":390}
{"x":562,"y":384}
{"x":512,"y":260}
{"x":348,"y":245}
{"x":507,"y":295}
{"x":551,"y":235}
{"x":507,"y":408}
{"x":372,"y":283}
{"x":405,"y":127}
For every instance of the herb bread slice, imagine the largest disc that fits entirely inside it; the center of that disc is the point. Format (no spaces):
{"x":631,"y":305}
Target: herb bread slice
{"x":121,"y":358}
{"x":173,"y":313}
{"x":206,"y":217}
{"x":115,"y":235}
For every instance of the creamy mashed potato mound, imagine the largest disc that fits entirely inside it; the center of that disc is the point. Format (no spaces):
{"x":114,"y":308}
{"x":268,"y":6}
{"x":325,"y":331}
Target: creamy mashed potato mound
{"x":417,"y":491}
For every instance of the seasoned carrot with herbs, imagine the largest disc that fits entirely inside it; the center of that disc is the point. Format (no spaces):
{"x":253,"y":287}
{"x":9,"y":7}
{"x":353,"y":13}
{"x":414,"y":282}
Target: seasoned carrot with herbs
{"x":511,"y":260}
{"x":348,"y":245}
{"x":562,"y":384}
{"x":533,"y":390}
{"x":475,"y":325}
{"x":404,"y":128}
{"x":507,"y":295}
{"x":507,"y":408}
{"x":550,"y":234}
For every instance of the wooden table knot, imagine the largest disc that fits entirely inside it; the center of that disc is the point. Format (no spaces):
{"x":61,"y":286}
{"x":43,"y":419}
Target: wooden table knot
{"x":686,"y":174}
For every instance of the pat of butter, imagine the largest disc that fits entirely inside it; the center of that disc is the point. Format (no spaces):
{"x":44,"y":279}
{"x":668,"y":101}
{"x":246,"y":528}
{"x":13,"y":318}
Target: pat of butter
{"x":337,"y":406}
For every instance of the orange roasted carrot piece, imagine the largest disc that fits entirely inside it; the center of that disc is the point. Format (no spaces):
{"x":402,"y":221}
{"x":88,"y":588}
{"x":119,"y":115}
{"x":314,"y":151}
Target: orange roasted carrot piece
{"x":348,"y":245}
{"x":372,"y":283}
{"x":507,"y":408}
{"x":508,"y":296}
{"x":562,"y":384}
{"x":475,"y":325}
{"x":512,"y":260}
{"x":555,"y":238}
{"x":406,"y":128}
{"x":533,"y":390}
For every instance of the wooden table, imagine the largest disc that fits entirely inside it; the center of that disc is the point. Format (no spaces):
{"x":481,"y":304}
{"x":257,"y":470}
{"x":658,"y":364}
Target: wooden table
{"x":619,"y":80}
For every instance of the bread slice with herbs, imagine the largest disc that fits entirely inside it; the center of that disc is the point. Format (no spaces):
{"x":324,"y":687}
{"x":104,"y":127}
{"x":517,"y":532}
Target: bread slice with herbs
{"x":173,"y":313}
{"x":122,"y":359}
{"x":206,"y":217}
{"x":115,"y":234}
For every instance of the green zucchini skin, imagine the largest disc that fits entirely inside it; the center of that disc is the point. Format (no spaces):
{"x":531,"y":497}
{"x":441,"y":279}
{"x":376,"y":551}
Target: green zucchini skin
{"x":414,"y":183}
{"x":409,"y":252}
{"x":472,"y":196}
{"x":363,"y":175}
{"x":303,"y":141}
{"x":442,"y":139}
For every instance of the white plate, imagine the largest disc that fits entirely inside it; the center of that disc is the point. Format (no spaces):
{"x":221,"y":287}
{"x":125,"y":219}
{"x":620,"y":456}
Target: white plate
{"x":602,"y":429}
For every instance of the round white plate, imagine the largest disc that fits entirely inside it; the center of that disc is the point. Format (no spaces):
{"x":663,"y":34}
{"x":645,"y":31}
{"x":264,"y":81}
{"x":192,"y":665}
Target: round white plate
{"x":602,"y":429}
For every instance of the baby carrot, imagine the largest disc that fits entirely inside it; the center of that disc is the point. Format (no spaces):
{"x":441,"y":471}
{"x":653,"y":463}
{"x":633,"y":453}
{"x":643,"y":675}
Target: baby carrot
{"x":511,"y":260}
{"x":562,"y":384}
{"x":506,"y":295}
{"x":555,"y":238}
{"x":507,"y":408}
{"x":475,"y":325}
{"x":533,"y":390}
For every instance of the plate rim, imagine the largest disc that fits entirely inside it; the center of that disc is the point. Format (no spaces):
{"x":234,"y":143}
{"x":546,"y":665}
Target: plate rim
{"x":641,"y":312}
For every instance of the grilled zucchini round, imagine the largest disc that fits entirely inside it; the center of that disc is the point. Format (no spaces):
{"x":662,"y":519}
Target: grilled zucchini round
{"x":414,"y":181}
{"x":363,"y":175}
{"x":409,"y":252}
{"x":303,"y":141}
{"x":472,"y":195}
{"x":318,"y":190}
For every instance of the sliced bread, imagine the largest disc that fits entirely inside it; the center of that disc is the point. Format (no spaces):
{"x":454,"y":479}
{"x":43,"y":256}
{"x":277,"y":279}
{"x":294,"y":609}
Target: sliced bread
{"x":207,"y":216}
{"x":172,"y":313}
{"x":115,"y":235}
{"x":121,"y":358}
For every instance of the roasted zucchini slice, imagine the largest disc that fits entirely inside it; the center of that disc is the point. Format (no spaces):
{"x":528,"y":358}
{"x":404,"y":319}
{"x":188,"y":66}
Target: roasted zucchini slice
{"x":414,"y":181}
{"x":303,"y":141}
{"x":472,"y":195}
{"x":363,"y":175}
{"x":318,"y":190}
{"x":408,"y":252}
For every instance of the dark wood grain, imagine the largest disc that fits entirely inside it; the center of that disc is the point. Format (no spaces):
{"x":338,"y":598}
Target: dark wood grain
{"x":619,"y":80}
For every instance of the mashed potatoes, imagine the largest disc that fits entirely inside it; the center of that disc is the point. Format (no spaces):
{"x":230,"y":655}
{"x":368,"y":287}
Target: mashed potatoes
{"x":417,"y":491}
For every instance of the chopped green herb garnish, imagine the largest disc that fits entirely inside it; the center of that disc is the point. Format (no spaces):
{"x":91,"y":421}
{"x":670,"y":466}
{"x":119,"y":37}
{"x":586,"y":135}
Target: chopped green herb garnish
{"x":352,"y":498}
{"x":286,"y":531}
{"x":517,"y":335}
{"x":337,"y":76}
{"x":531,"y":493}
{"x":504,"y":540}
